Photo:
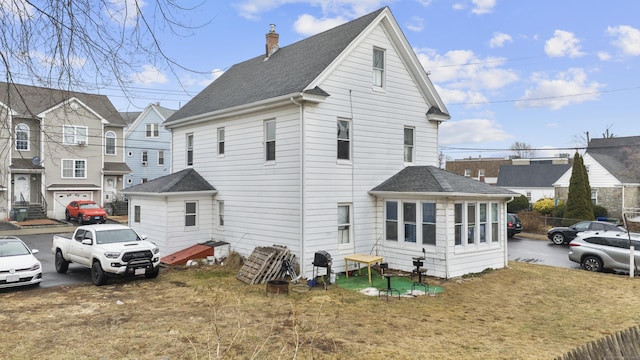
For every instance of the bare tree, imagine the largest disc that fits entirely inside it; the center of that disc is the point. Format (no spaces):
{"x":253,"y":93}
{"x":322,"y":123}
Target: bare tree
{"x":522,"y":150}
{"x":85,"y":44}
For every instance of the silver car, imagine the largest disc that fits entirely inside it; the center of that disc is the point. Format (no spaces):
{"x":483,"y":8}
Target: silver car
{"x":597,"y":251}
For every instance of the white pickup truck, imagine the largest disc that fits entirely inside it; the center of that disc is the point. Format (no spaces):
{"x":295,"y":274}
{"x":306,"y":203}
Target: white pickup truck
{"x":106,"y":250}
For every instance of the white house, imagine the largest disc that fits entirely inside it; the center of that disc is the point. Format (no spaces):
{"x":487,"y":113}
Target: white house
{"x":535,"y":181}
{"x":328,"y":144}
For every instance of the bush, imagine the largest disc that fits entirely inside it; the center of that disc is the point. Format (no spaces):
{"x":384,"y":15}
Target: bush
{"x":518,"y":204}
{"x":599,"y":211}
{"x":558,"y":212}
{"x":546,"y":206}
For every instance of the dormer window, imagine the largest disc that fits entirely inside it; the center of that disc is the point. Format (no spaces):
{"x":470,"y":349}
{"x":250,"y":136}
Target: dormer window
{"x":378,"y":67}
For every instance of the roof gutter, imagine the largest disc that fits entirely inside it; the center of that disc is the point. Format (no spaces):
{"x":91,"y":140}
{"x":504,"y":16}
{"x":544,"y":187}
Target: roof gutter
{"x":439,"y":194}
{"x":177,"y":193}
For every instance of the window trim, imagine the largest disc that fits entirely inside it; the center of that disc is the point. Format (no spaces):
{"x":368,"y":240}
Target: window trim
{"x":220,"y":221}
{"x":27,"y":131}
{"x":110,"y":135}
{"x":387,"y":220}
{"x":74,"y":169}
{"x":378,"y":70}
{"x":411,"y":147}
{"x":144,"y":158}
{"x":269,"y":141}
{"x":77,"y":138}
{"x":160,"y":160}
{"x":189,"y":141}
{"x":348,"y":224}
{"x":221,"y":140}
{"x":423,"y":222}
{"x":492,"y":226}
{"x":137,"y":213}
{"x":348,"y":140}
{"x":152,"y":130}
{"x":191,"y":215}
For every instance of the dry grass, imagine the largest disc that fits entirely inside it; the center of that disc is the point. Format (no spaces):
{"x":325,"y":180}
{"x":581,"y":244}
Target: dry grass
{"x":523,"y":312}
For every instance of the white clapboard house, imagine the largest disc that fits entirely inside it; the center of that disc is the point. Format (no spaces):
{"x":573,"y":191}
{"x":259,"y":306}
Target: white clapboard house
{"x":327,"y":144}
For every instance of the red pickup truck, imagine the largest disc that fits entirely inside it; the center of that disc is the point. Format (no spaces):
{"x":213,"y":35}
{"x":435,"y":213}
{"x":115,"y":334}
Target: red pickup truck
{"x":85,"y":211}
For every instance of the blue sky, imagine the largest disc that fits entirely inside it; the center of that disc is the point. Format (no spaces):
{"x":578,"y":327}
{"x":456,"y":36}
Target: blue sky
{"x":539,"y":72}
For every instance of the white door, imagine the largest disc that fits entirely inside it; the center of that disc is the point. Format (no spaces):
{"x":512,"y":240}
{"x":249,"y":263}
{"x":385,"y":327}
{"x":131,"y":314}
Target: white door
{"x":63,"y":198}
{"x":109,"y":189}
{"x":21,"y":188}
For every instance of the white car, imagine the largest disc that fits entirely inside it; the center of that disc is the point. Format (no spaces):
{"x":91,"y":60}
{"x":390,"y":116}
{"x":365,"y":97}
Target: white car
{"x":18,"y":266}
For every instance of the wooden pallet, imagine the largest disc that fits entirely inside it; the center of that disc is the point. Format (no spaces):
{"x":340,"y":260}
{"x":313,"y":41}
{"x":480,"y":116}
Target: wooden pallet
{"x":264,"y":264}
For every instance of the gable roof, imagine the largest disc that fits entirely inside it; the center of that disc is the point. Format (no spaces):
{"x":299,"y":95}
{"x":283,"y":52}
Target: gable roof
{"x":134,"y":122}
{"x":435,"y":181}
{"x":187,"y":180}
{"x":619,"y":155}
{"x":290,"y":70}
{"x":29,"y":101}
{"x":534,"y":175}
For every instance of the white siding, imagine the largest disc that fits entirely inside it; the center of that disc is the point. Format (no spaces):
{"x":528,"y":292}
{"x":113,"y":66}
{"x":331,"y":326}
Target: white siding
{"x":261,"y":200}
{"x":599,"y":177}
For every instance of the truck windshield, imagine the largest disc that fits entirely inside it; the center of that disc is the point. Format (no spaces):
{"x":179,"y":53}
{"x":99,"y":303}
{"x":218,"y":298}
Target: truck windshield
{"x":115,"y":236}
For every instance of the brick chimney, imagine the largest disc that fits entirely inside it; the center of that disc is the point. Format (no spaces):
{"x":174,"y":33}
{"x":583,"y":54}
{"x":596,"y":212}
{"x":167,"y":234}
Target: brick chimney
{"x":272,"y":41}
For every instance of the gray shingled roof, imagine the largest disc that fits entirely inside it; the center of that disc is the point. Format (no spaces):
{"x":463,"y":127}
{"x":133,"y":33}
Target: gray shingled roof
{"x":289,"y":70}
{"x":534,"y":175}
{"x":29,"y":101}
{"x":130,"y":116}
{"x":187,"y":180}
{"x":72,"y":186}
{"x":430,"y":179}
{"x":24,"y":164}
{"x":619,"y":155}
{"x":112,"y":168}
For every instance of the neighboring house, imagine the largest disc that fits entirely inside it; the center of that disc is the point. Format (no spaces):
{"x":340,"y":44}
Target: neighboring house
{"x":328,"y":144}
{"x":147,"y":149}
{"x":481,"y":169}
{"x":614,"y":174}
{"x":534,"y":181}
{"x":63,"y":146}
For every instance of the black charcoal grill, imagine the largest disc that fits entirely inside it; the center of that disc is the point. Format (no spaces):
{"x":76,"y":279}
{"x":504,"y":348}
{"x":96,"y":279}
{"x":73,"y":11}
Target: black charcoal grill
{"x":322,"y":259}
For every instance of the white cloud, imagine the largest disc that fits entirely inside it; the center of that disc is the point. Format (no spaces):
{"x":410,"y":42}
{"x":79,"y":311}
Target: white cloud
{"x":124,"y":12}
{"x":499,"y":39}
{"x":567,"y":88}
{"x":416,"y":24}
{"x":149,"y":75}
{"x":463,"y":69}
{"x":471,"y":131}
{"x":251,"y":9}
{"x":425,"y":3}
{"x":458,"y":6}
{"x":483,"y":6}
{"x":563,"y":43}
{"x":309,"y":25}
{"x":604,"y":56}
{"x":628,"y":39}
{"x":17,"y":9}
{"x":45,"y":60}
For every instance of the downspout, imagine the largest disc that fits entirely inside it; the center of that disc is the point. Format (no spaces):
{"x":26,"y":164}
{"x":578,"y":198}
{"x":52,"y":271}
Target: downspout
{"x":301,"y":191}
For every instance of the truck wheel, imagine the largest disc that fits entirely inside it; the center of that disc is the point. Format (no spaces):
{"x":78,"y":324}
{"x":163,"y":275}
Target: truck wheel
{"x":98,"y":277}
{"x":62,"y":265}
{"x":153,"y":273}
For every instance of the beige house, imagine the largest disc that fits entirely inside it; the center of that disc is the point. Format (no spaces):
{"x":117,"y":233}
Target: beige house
{"x":59,"y":146}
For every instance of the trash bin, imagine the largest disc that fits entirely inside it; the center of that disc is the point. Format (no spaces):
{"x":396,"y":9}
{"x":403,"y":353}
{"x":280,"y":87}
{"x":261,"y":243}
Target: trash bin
{"x":20,"y":213}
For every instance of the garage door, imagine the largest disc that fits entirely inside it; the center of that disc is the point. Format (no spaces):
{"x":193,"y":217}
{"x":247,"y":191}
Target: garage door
{"x":63,"y":198}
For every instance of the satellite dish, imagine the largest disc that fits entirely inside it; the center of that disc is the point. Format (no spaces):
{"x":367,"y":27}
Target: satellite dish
{"x":36,"y":160}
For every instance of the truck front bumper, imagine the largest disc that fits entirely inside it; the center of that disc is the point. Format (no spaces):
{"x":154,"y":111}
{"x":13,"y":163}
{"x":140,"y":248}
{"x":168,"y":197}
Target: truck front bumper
{"x":133,"y":267}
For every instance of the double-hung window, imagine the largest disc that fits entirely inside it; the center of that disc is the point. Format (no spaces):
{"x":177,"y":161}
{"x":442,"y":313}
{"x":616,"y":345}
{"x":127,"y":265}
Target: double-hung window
{"x":145,"y":158}
{"x":270,"y":140}
{"x":458,"y":223}
{"x":136,"y":214}
{"x":72,"y":168}
{"x":471,"y":223}
{"x":391,"y":220}
{"x":160,"y":157}
{"x":190,"y":213}
{"x":189,"y":154}
{"x":22,"y":137}
{"x":151,"y":130}
{"x":428,"y":223}
{"x":409,"y":140}
{"x":479,"y":221}
{"x":220,"y":214}
{"x":74,"y":135}
{"x":494,"y":222}
{"x":344,"y":139}
{"x":220,"y":141}
{"x":344,"y":223}
{"x":483,"y":223}
{"x":409,"y":216}
{"x":110,"y":143}
{"x":378,"y":67}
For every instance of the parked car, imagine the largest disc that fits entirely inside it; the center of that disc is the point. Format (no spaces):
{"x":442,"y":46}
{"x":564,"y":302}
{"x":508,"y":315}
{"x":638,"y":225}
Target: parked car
{"x":514,"y":225}
{"x":562,"y":235}
{"x":85,"y":211}
{"x":18,"y":266}
{"x":598,"y":251}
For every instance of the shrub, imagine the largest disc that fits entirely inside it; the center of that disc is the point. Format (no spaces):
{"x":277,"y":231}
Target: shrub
{"x":545,"y":206}
{"x":599,"y":211}
{"x":518,"y":204}
{"x":558,"y":212}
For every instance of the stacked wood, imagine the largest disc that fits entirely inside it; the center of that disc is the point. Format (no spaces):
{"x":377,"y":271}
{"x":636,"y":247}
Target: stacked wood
{"x":265,"y":264}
